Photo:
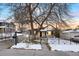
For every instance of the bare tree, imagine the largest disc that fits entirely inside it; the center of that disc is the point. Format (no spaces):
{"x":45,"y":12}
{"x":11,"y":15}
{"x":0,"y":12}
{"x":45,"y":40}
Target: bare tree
{"x":40,"y":13}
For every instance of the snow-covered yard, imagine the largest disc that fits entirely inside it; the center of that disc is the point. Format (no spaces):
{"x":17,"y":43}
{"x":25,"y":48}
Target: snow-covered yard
{"x":27,"y":46}
{"x":64,"y":45}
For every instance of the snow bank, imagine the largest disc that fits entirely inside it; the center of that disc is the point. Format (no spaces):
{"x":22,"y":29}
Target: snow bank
{"x":64,"y":45}
{"x":27,"y":46}
{"x":59,"y":41}
{"x":74,"y":48}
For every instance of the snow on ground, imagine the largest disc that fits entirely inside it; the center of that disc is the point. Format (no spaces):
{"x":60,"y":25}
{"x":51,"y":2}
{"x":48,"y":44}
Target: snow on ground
{"x":27,"y":46}
{"x":64,"y":45}
{"x":59,"y":41}
{"x":74,"y":48}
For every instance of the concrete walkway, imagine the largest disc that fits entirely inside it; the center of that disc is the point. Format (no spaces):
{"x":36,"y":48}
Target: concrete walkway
{"x":5,"y":44}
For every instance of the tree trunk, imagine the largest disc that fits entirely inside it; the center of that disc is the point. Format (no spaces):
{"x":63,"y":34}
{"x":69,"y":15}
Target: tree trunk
{"x":31,"y":21}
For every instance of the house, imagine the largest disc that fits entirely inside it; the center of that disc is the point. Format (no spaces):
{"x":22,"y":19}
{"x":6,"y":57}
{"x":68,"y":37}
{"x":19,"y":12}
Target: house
{"x":6,"y":28}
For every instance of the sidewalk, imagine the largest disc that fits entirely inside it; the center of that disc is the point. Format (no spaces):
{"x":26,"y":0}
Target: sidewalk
{"x":5,"y":44}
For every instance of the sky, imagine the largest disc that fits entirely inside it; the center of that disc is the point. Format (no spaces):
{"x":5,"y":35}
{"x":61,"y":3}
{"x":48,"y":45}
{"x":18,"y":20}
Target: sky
{"x":4,"y":12}
{"x":74,"y":9}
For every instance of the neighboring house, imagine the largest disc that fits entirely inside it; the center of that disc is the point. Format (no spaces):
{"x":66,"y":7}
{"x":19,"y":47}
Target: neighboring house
{"x":6,"y":28}
{"x":70,"y":34}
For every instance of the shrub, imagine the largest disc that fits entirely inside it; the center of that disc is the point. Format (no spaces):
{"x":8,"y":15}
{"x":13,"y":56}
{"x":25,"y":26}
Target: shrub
{"x":57,"y":33}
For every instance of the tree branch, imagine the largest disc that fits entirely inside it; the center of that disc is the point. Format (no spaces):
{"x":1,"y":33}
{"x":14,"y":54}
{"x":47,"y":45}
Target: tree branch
{"x":48,"y":13}
{"x":35,"y":7}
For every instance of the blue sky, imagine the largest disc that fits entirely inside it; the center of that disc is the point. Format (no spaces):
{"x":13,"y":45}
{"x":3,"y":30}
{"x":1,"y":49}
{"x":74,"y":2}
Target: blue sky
{"x":74,"y":8}
{"x":5,"y":12}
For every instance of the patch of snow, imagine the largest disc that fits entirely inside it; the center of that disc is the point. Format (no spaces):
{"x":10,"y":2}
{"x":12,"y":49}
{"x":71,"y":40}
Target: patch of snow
{"x":35,"y":46}
{"x":27,"y":46}
{"x":64,"y":45}
{"x":74,"y":48}
{"x":59,"y":41}
{"x":20,"y":45}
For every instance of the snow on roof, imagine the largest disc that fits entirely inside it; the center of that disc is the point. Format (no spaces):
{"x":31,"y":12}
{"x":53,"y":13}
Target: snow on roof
{"x":46,"y":29}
